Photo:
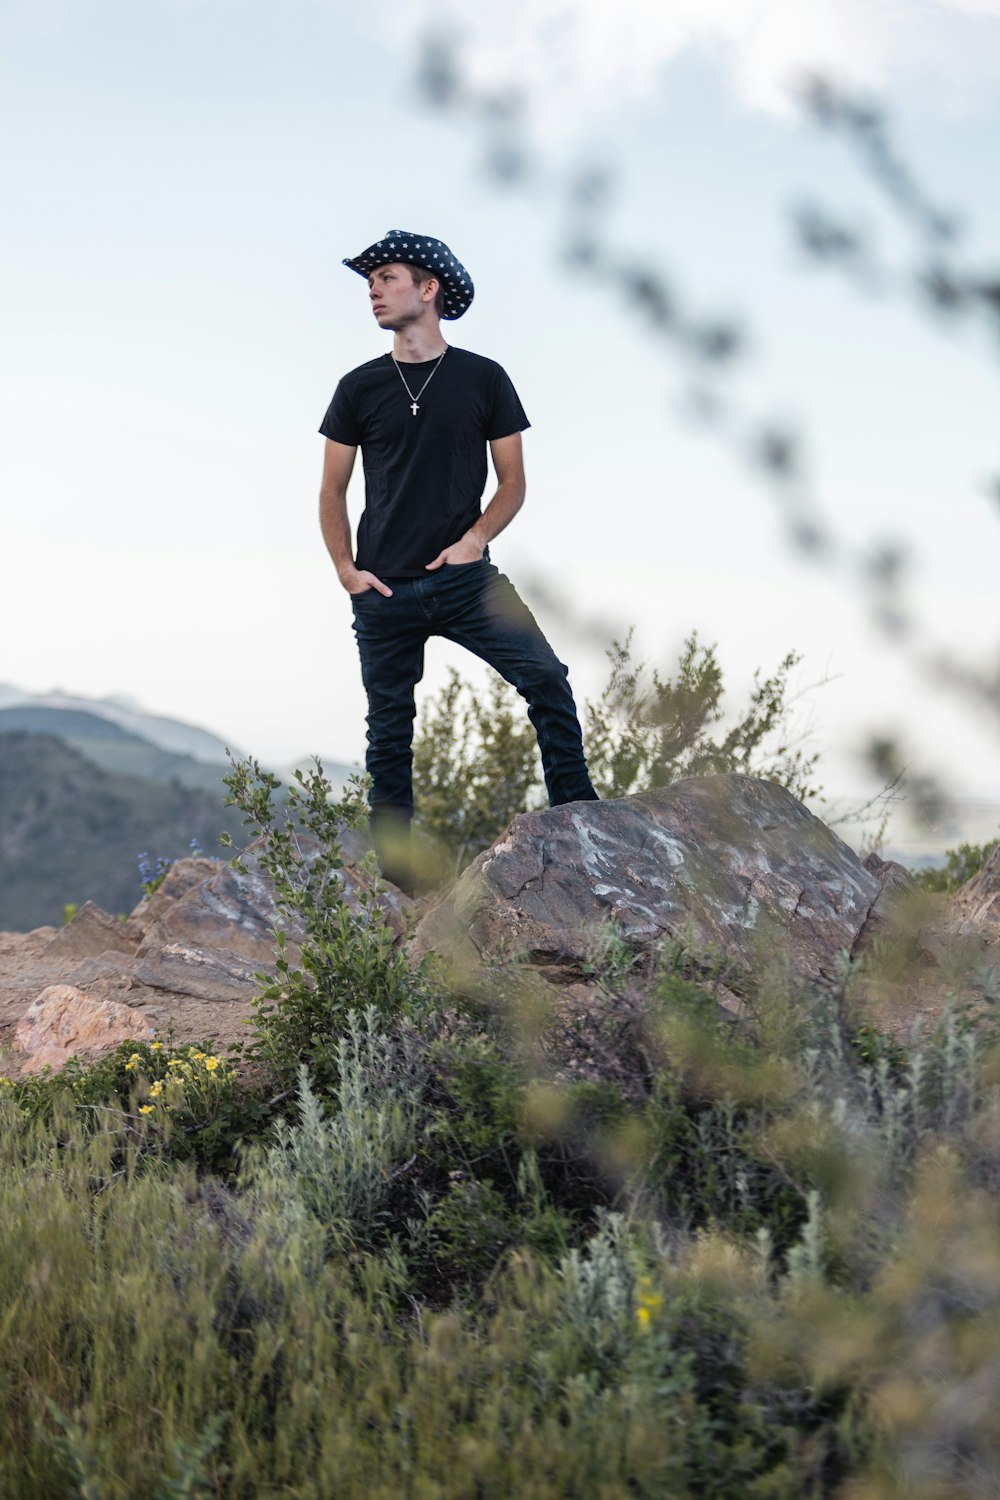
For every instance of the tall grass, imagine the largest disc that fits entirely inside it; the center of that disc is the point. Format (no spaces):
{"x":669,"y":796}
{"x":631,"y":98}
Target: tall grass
{"x":775,"y":1271}
{"x":410,"y":1245}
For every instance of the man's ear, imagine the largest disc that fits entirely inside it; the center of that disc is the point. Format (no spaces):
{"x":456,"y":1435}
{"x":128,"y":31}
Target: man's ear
{"x":427,"y":295}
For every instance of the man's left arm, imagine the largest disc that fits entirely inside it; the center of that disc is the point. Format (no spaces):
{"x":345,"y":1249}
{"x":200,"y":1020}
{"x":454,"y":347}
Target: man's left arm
{"x":508,"y":461}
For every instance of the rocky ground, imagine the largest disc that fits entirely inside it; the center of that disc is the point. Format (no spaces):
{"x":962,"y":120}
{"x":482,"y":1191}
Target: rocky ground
{"x":185,"y":959}
{"x":728,"y":864}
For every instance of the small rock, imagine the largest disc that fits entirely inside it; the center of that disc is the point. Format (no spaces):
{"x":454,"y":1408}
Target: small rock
{"x":93,"y":932}
{"x":63,"y":1021}
{"x":237,"y":911}
{"x":114,"y":968}
{"x":205,"y":973}
{"x":184,"y":875}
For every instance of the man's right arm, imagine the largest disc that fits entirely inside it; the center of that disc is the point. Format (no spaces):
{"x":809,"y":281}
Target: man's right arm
{"x":338,"y":463}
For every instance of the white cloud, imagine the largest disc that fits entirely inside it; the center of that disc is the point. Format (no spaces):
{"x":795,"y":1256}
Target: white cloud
{"x":577,"y":58}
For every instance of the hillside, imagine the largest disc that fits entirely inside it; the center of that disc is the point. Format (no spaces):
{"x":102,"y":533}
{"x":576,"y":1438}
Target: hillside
{"x":71,"y":831}
{"x":170,"y":734}
{"x":148,"y":745}
{"x":113,"y":748}
{"x":622,"y":1200}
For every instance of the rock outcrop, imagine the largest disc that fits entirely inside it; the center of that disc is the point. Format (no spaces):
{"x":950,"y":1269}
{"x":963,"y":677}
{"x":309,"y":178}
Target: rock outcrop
{"x":975,"y":907}
{"x":235,"y":911}
{"x":731,"y":867}
{"x":188,"y":954}
{"x":92,"y":932}
{"x":728,"y":865}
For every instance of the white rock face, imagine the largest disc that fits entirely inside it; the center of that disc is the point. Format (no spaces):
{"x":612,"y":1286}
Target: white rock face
{"x":729,"y":865}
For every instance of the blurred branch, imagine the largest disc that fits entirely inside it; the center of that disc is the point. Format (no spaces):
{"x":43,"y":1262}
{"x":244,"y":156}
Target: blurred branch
{"x":707,"y":349}
{"x":939,"y":278}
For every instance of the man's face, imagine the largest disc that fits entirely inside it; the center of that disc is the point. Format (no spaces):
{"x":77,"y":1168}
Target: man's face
{"x":396,"y":299}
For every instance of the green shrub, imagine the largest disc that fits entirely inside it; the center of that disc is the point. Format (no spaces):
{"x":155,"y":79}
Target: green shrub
{"x":475,"y":765}
{"x":179,"y":1102}
{"x":960,"y":865}
{"x":646,"y":731}
{"x":349,"y":957}
{"x":340,"y":1166}
{"x":476,"y":761}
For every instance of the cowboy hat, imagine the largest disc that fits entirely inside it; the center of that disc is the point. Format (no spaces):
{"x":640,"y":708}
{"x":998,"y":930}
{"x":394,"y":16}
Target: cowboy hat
{"x":420,"y":250}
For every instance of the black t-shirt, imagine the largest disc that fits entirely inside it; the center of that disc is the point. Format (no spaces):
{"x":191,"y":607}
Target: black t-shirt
{"x":424,"y":473}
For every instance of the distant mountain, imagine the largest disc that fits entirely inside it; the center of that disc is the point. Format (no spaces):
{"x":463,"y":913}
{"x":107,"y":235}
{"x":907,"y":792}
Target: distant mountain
{"x":169,"y":734}
{"x":71,"y":831}
{"x":113,"y":748}
{"x":186,"y":741}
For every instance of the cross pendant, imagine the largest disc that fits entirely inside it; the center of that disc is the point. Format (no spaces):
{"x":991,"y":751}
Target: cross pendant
{"x":414,"y":408}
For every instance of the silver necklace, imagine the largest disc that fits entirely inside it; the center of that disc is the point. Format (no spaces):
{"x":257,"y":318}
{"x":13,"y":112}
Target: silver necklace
{"x":415,"y":398}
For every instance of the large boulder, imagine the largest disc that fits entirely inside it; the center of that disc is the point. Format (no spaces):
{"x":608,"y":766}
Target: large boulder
{"x":729,"y":865}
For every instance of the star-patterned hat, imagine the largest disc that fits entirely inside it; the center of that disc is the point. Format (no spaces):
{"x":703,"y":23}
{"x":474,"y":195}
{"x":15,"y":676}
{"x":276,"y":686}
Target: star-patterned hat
{"x":420,"y":250}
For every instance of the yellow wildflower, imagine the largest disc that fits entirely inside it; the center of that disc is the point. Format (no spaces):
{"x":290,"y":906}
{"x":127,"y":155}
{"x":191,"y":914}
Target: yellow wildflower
{"x":211,"y":1063}
{"x":642,"y":1316}
{"x":146,"y":1109}
{"x":157,"y":1088}
{"x":7,"y":1083}
{"x":647,"y":1296}
{"x":133,"y":1063}
{"x":156,"y":1046}
{"x":174,"y":1062}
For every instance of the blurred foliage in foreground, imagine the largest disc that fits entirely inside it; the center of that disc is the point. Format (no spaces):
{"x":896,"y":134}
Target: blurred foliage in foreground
{"x":903,"y":246}
{"x":417,"y":1243}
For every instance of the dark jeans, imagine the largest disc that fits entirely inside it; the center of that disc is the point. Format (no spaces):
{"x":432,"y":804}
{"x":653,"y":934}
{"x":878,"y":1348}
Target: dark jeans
{"x":476,"y":606}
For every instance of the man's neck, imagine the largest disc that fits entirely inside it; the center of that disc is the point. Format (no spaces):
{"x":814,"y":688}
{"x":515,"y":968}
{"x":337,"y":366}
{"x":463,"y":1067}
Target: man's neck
{"x":417,"y":343}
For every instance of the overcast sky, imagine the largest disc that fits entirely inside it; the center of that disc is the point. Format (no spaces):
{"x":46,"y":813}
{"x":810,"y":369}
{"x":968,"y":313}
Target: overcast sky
{"x":181,"y":181}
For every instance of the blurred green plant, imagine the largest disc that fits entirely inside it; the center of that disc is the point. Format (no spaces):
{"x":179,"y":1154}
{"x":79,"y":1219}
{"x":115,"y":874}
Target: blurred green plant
{"x":646,"y":731}
{"x":349,"y":958}
{"x":648,"y":1347}
{"x":475,"y":765}
{"x":959,"y":866}
{"x":475,"y":758}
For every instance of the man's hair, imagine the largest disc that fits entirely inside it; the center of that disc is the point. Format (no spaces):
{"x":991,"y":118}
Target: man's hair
{"x":421,"y":274}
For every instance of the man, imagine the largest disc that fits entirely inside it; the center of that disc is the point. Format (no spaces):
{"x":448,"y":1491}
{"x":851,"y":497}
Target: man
{"x":422,"y":417}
